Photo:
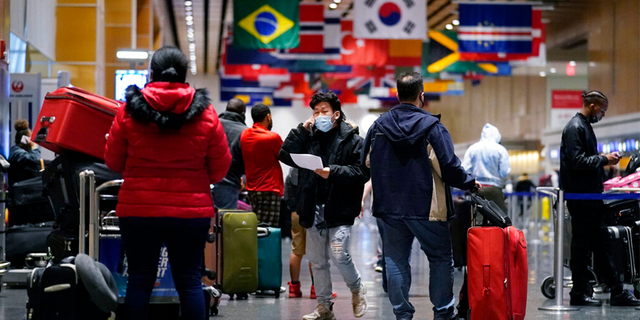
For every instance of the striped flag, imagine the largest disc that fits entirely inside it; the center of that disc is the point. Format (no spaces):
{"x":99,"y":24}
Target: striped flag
{"x":537,"y":50}
{"x":319,"y":35}
{"x":495,"y":28}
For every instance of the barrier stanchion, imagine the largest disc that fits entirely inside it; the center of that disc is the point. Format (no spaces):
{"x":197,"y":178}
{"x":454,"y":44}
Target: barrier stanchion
{"x":558,"y":256}
{"x":536,"y":215}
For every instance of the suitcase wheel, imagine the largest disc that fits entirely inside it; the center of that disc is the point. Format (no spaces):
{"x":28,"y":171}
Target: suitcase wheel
{"x":243,"y":296}
{"x":277,"y":293}
{"x":548,"y":287}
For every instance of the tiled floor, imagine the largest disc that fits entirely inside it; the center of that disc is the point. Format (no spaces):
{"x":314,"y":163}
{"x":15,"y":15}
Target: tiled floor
{"x":363,"y":249}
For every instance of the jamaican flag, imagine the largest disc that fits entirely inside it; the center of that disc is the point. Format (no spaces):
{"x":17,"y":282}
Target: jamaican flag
{"x":271,"y":24}
{"x":441,"y":54}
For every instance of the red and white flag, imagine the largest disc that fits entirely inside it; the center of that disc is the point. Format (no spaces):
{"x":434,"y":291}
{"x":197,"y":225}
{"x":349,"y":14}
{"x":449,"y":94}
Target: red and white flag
{"x":363,"y":52}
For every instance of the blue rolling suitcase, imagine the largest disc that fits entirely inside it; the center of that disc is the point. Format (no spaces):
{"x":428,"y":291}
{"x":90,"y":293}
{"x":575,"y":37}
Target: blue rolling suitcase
{"x":269,"y":259}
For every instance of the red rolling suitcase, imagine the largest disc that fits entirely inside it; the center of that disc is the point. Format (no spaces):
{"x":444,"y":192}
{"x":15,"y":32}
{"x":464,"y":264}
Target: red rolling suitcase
{"x":74,"y":119}
{"x":497,"y":273}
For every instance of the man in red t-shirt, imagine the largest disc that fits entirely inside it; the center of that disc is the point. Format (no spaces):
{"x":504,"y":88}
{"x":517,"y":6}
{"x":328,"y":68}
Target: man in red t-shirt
{"x":260,"y":148}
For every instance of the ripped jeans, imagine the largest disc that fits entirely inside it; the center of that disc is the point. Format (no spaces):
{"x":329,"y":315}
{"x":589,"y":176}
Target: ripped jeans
{"x":325,"y":244}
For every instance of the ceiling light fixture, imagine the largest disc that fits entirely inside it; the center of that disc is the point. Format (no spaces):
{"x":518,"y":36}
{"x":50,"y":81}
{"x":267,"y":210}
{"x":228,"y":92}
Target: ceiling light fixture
{"x":337,"y":1}
{"x":132,"y":55}
{"x":191,"y":36}
{"x":553,"y":70}
{"x":456,"y":22}
{"x":572,"y":63}
{"x":543,"y":74}
{"x":449,"y":26}
{"x":333,"y":6}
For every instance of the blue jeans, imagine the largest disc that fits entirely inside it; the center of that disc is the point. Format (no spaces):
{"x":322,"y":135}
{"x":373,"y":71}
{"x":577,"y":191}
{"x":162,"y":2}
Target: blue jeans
{"x":225,"y":196}
{"x":434,"y":239}
{"x":185,"y":240}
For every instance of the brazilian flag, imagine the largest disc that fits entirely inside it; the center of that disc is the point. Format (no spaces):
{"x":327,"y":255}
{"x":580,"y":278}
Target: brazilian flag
{"x":270,"y":24}
{"x":441,"y":54}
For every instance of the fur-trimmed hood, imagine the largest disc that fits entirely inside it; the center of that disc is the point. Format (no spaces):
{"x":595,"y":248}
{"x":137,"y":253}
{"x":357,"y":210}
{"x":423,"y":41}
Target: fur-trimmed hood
{"x":168,"y":104}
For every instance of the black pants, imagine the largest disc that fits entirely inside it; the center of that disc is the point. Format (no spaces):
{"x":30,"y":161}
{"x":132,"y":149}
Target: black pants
{"x":590,"y":235}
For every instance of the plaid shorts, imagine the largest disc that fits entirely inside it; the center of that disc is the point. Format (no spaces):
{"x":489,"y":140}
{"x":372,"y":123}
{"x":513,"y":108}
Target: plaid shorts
{"x":266,"y":205}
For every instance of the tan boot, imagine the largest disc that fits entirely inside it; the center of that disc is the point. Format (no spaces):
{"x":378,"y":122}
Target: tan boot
{"x":322,"y":312}
{"x":359,"y":302}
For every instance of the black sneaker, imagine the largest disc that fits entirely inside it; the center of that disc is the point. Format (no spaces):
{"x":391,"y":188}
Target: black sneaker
{"x":624,"y":299}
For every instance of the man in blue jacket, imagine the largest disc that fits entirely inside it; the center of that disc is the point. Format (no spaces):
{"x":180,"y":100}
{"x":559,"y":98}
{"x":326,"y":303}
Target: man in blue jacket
{"x":396,"y":148}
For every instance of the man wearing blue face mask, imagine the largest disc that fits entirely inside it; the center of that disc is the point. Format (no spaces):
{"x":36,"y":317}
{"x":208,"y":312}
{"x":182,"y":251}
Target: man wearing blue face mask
{"x":329,"y":198}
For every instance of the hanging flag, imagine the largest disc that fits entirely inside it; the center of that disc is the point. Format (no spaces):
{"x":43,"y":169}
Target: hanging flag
{"x":405,"y":53}
{"x":266,"y":24}
{"x":264,"y":74}
{"x":250,"y":92}
{"x":366,"y":52}
{"x":441,"y":54}
{"x":319,"y":35}
{"x":495,"y":28}
{"x":444,"y":87}
{"x":390,"y":19}
{"x":537,"y":45}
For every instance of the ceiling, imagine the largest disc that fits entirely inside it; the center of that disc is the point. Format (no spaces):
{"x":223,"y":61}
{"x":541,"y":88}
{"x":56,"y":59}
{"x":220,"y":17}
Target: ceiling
{"x":208,"y":15}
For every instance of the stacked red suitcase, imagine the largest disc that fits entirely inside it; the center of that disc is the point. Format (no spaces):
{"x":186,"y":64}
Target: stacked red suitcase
{"x":497,"y":273}
{"x":74,"y":119}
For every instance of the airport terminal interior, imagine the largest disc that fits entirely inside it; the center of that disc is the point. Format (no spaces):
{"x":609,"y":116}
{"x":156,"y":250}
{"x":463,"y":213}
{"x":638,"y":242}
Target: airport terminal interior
{"x":523,"y":67}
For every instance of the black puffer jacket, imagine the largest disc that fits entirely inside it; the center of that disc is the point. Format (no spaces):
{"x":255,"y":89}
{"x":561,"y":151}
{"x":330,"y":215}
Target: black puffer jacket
{"x":581,"y":167}
{"x":346,"y":180}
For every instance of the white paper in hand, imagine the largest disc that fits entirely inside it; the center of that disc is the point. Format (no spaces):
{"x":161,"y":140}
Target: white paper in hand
{"x":307,"y":161}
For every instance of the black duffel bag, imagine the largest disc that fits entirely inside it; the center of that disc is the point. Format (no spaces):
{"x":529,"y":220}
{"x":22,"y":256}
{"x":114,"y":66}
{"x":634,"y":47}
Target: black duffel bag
{"x":25,"y":239}
{"x":27,"y":204}
{"x":490,"y":211}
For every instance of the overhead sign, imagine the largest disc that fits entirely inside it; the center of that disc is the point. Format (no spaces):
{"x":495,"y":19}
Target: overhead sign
{"x":564,"y":105}
{"x":25,"y":85}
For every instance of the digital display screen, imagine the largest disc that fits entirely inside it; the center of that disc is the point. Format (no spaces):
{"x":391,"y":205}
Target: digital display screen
{"x":125,"y":78}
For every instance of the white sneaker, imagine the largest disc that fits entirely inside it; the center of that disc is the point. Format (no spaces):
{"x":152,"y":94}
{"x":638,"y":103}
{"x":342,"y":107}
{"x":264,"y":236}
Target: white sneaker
{"x":322,"y":312}
{"x":359,"y":302}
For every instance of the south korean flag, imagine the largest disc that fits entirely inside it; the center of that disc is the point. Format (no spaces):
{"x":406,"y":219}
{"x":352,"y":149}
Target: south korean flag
{"x":390,"y":19}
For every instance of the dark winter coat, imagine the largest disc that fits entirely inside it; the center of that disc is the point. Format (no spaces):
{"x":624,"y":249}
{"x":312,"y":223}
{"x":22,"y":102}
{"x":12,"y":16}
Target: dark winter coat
{"x":169,"y":146}
{"x":24,"y":164}
{"x":345,"y":184}
{"x":401,"y":172}
{"x":581,"y":166}
{"x":233,"y":125}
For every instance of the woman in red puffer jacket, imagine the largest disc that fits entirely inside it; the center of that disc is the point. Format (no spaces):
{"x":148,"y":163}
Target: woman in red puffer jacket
{"x":169,"y":145}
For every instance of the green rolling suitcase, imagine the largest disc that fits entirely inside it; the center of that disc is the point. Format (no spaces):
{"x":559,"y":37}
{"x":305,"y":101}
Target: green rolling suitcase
{"x":236,"y":252}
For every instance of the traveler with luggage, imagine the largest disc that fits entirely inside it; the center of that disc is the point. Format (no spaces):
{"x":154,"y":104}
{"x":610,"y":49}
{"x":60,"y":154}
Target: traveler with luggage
{"x":488,"y":162}
{"x":169,"y":144}
{"x":265,"y":183}
{"x":329,"y":198}
{"x":24,"y":156}
{"x":582,"y":171}
{"x":402,"y":177}
{"x":226,"y":192}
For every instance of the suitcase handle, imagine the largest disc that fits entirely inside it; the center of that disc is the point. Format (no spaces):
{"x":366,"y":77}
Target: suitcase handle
{"x":263,"y":232}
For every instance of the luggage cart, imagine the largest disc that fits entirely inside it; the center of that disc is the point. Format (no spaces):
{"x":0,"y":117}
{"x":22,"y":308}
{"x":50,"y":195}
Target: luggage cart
{"x":105,"y":245}
{"x":548,"y":286}
{"x":4,"y":265}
